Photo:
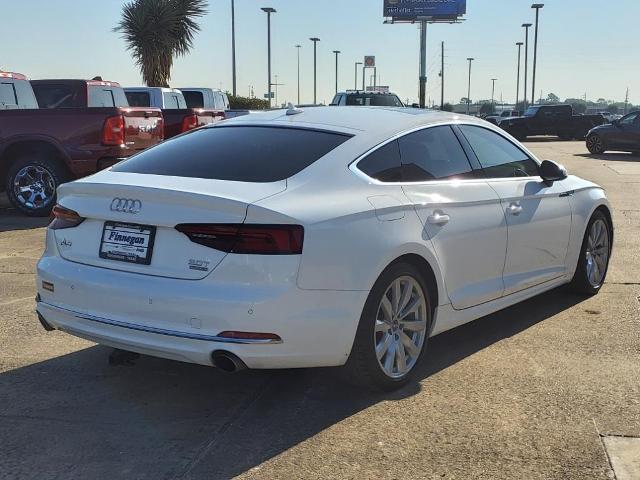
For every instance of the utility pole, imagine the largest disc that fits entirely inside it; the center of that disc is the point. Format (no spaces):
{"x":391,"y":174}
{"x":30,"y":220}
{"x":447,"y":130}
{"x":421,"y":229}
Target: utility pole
{"x":233,"y":44}
{"x":315,"y":41}
{"x":355,"y":86}
{"x":526,"y":60}
{"x":442,"y":77}
{"x":626,"y":101}
{"x":269,"y":11}
{"x":298,"y":47}
{"x":519,"y":44}
{"x":537,"y":7}
{"x":469,"y":90}
{"x":337,"y":52}
{"x":493,"y":91}
{"x":423,"y":63}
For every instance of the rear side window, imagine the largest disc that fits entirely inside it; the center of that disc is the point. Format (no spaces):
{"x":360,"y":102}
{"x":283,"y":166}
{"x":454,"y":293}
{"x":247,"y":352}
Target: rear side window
{"x":194,"y":99}
{"x":498,"y":156}
{"x":56,"y":96}
{"x":101,"y":96}
{"x":433,"y":154}
{"x":242,"y":154}
{"x":8,"y":98}
{"x":173,"y":100}
{"x":383,"y":164}
{"x":138,"y":99}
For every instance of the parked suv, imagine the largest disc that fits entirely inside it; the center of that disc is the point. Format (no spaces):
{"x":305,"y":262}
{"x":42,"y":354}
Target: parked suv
{"x":366,"y":99}
{"x":80,"y":127}
{"x":178,"y":118}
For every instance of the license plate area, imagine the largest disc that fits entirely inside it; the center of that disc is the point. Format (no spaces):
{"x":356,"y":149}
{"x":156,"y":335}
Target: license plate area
{"x":127,"y":242}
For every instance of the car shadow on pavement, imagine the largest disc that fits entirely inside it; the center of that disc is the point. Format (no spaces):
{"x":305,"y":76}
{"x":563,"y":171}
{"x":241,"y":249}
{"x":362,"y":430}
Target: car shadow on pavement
{"x":161,"y":419}
{"x":612,"y":157}
{"x":11,"y":219}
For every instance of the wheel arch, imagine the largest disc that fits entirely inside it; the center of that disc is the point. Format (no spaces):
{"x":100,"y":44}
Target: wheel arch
{"x":36,"y":145}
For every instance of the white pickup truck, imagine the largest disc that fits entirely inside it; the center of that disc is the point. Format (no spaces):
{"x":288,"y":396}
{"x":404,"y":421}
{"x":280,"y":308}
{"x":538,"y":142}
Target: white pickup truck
{"x":210,"y":98}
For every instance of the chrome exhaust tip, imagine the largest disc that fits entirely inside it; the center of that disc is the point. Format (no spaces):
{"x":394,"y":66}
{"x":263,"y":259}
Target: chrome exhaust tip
{"x":227,"y":361}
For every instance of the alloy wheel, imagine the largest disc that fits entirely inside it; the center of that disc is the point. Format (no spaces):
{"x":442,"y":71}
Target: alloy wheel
{"x":34,"y":186}
{"x":594,"y":144}
{"x":597,"y":253}
{"x":401,"y":326}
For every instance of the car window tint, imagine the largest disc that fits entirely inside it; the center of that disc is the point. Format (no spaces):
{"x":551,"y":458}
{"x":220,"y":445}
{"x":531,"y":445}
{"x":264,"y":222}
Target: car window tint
{"x":194,"y":99}
{"x":138,"y":99}
{"x":498,"y":156}
{"x":630,"y":119}
{"x":243,"y":154}
{"x":432,"y":154}
{"x":55,"y":96}
{"x":8,"y":95}
{"x":383,"y":164}
{"x":374,"y":100}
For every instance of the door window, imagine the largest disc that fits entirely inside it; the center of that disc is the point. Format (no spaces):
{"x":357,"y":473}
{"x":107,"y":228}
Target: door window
{"x":433,"y":154}
{"x":498,"y":156}
{"x":629,"y":120}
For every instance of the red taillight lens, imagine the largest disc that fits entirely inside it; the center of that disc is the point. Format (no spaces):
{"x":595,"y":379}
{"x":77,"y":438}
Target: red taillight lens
{"x":160,"y":128}
{"x":189,"y":123}
{"x":113,"y":131}
{"x":250,"y":239}
{"x":64,"y":218}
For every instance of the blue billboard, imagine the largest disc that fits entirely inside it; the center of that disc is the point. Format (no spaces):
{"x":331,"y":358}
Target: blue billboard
{"x":436,"y":9}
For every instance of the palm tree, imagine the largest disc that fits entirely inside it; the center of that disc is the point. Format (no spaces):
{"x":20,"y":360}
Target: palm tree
{"x":157,"y":31}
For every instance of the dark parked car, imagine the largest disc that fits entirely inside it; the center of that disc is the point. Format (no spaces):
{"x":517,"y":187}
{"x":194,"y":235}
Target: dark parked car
{"x":366,"y":99}
{"x":557,"y":120}
{"x":623,"y":135}
{"x":76,"y":128}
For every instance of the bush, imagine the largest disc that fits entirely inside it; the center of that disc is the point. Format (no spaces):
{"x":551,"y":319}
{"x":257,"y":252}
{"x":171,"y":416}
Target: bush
{"x":447,"y":107}
{"x":246,"y":103}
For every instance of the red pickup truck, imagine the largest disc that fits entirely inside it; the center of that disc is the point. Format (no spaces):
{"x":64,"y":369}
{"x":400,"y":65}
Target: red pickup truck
{"x":178,"y":118}
{"x":80,"y":127}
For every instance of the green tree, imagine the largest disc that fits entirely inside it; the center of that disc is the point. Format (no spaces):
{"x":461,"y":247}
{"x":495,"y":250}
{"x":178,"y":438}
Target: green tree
{"x":552,"y":99}
{"x":157,"y":31}
{"x":613,"y":108}
{"x":578,"y":104}
{"x":245,"y":103}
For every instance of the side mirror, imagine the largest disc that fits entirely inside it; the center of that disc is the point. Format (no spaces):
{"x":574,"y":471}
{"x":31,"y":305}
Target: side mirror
{"x":552,"y":172}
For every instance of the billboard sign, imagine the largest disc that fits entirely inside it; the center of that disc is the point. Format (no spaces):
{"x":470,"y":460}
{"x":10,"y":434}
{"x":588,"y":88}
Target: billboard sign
{"x":369,"y":61}
{"x":378,"y":89}
{"x":435,"y":9}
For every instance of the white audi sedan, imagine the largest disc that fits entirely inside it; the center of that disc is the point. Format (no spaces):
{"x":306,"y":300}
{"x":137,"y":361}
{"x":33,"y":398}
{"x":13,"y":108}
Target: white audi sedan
{"x":323,"y":237}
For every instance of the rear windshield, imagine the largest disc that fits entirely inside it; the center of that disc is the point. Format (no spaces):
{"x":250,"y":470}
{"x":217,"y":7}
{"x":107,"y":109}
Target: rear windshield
{"x":236,"y":153}
{"x":374,"y":100}
{"x":194,"y":99}
{"x":138,"y":99}
{"x":173,"y":100}
{"x":57,"y":95}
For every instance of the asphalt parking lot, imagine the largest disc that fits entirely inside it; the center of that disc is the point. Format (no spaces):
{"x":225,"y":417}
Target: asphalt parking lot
{"x":547,"y":389}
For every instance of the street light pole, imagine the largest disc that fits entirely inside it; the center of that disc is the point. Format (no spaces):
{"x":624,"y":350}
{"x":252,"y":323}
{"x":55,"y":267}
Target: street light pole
{"x":298,"y":47}
{"x":537,"y":7}
{"x":315,"y":41}
{"x":337,"y":52}
{"x":519,"y":44}
{"x":233,"y":44}
{"x":269,"y":11}
{"x":526,"y":60}
{"x":355,"y":86}
{"x":469,"y":90}
{"x":493,"y":91}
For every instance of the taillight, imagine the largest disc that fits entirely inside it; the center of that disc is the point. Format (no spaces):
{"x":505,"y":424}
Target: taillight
{"x":189,"y":123}
{"x":160,"y":128}
{"x":245,"y":238}
{"x":64,"y":218}
{"x":113,"y":131}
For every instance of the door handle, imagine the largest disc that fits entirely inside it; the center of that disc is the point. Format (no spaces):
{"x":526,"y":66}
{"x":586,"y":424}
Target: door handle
{"x":514,"y":209}
{"x":438,"y":218}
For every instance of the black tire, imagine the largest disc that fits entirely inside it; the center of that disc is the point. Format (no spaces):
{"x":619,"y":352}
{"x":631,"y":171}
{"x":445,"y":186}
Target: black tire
{"x":595,"y":144}
{"x":580,"y":282}
{"x":362,"y":367}
{"x":47,"y":174}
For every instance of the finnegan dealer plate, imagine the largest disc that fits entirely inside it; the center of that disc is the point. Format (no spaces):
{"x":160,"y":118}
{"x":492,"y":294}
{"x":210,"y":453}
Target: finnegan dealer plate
{"x":127,"y":242}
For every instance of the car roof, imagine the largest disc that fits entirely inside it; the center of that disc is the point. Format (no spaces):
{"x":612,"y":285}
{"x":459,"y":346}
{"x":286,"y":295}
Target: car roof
{"x":146,"y":89}
{"x":377,"y":122}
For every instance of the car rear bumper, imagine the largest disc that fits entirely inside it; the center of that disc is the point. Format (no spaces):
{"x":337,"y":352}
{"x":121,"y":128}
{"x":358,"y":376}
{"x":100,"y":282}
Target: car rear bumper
{"x":181,"y":319}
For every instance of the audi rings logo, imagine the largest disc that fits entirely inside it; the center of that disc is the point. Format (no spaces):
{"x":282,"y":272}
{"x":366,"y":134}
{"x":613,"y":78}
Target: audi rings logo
{"x":126,"y":205}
